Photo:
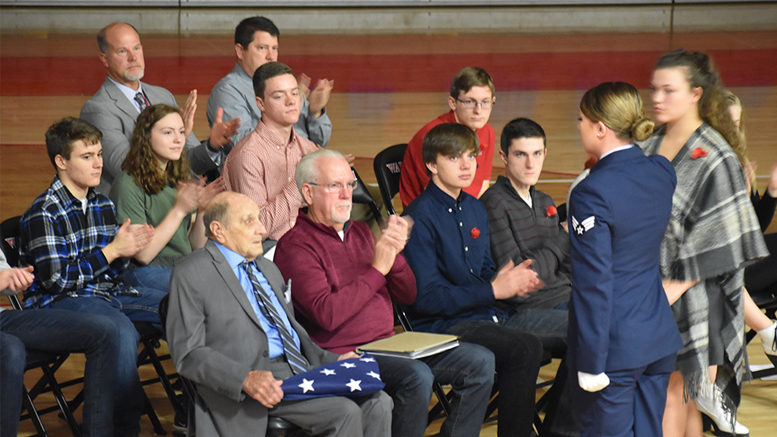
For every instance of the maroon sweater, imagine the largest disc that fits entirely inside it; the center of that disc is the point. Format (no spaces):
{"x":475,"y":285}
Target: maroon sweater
{"x":341,"y":300}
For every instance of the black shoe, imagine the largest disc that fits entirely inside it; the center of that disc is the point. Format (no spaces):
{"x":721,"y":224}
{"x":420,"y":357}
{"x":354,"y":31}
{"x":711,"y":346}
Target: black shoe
{"x":181,"y":424}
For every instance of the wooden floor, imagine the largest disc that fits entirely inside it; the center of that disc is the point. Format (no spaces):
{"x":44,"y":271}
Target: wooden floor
{"x":380,"y":98}
{"x":759,"y":400}
{"x":386,"y":88}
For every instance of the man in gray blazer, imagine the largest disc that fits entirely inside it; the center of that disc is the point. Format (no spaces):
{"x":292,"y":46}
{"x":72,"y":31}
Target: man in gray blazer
{"x":233,"y":340}
{"x":115,"y":107}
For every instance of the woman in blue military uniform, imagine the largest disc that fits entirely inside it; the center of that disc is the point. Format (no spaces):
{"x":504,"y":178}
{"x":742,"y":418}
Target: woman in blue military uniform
{"x":622,"y":335}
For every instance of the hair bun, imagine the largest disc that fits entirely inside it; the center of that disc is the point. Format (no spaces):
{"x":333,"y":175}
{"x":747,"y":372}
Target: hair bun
{"x":642,"y":129}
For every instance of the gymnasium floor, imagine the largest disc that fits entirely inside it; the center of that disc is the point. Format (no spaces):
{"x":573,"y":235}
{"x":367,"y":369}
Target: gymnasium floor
{"x":389,"y":83}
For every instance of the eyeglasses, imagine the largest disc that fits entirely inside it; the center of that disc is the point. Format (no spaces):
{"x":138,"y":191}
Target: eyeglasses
{"x":472,"y":104}
{"x":337,"y":186}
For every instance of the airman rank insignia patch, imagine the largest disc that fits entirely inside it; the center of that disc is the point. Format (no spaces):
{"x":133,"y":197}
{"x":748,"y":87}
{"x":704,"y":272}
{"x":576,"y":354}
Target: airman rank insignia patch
{"x":581,"y":228}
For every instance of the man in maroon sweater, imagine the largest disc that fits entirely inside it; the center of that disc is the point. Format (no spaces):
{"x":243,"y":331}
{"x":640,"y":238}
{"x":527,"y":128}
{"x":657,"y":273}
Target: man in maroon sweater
{"x":343,"y":286}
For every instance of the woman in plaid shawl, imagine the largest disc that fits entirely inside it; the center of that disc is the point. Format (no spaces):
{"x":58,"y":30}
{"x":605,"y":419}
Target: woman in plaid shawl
{"x":712,"y":234}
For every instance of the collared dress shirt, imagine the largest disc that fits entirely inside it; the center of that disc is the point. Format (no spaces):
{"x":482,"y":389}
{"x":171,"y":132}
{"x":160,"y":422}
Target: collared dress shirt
{"x":450,"y":254}
{"x":273,"y":336}
{"x":130,"y":93}
{"x":262,"y":167}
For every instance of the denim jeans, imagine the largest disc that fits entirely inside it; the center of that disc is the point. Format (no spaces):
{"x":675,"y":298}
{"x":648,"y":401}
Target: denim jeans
{"x":469,"y":369}
{"x":12,"y":360}
{"x":122,"y":311}
{"x":518,"y":357}
{"x":51,"y":330}
{"x":549,"y":325}
{"x":155,"y":277}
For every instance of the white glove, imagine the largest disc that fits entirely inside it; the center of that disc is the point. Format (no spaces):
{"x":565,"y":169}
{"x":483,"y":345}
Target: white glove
{"x":592,"y":383}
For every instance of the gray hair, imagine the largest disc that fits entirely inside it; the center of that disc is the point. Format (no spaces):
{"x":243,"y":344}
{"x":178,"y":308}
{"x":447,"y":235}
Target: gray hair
{"x":307,"y":170}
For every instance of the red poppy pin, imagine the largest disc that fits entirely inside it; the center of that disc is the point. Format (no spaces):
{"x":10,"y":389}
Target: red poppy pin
{"x":475,"y":232}
{"x":698,"y":153}
{"x":551,"y":211}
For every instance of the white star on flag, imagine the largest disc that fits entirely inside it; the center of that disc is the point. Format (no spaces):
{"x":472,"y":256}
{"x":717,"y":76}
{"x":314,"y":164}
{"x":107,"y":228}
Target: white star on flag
{"x":306,"y":386}
{"x":354,"y":385}
{"x":332,"y":378}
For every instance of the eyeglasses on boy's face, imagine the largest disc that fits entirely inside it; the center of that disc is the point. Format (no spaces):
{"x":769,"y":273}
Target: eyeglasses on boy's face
{"x":472,"y":104}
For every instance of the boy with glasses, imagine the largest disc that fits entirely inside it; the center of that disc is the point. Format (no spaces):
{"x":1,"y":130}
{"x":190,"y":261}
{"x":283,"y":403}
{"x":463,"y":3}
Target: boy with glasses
{"x":471,"y":101}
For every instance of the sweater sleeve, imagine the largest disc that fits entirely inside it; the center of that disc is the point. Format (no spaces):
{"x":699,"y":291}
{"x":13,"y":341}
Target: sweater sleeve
{"x":313,"y":294}
{"x":764,"y":208}
{"x":401,"y":282}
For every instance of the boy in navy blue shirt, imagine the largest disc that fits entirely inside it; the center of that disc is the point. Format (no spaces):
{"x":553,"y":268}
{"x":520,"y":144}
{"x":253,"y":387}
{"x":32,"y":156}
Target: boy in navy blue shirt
{"x":459,"y":289}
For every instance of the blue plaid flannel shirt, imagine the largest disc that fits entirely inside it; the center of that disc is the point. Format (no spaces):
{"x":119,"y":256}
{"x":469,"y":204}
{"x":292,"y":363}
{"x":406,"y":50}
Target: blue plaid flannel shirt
{"x":65,"y":246}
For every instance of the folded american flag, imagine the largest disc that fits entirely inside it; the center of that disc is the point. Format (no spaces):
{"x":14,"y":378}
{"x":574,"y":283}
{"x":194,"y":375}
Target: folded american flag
{"x":351,"y":377}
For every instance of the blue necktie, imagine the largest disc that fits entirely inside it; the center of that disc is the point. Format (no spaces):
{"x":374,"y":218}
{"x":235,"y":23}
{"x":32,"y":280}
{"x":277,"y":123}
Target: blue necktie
{"x":294,"y":356}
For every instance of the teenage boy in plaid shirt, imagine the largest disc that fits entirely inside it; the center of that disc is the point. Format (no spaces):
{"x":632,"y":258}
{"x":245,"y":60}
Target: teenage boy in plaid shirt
{"x":70,"y":235}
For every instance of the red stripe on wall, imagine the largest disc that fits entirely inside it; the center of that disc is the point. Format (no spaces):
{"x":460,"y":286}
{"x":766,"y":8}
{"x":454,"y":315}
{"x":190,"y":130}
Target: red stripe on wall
{"x":385,"y":73}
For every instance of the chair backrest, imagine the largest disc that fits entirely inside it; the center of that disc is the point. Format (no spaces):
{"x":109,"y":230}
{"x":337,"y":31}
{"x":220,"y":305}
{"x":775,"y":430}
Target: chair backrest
{"x":387,"y":166}
{"x":362,"y":195}
{"x":9,"y":243}
{"x":9,"y":239}
{"x":401,"y":315}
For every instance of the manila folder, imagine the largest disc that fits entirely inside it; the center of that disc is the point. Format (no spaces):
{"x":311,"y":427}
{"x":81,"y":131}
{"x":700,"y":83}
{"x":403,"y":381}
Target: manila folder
{"x":411,"y":345}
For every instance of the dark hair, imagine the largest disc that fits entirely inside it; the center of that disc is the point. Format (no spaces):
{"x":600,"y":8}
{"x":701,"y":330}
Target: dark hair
{"x":448,"y":139}
{"x":61,"y":135}
{"x":141,"y":161}
{"x":712,"y":106}
{"x":102,"y":41}
{"x":619,"y":106}
{"x":521,"y":128}
{"x":469,"y":77}
{"x":266,"y":72}
{"x":245,"y":31}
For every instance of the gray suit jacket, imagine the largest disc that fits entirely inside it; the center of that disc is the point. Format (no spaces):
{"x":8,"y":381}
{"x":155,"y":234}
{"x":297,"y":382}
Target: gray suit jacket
{"x":234,"y":93}
{"x":111,"y":112}
{"x":215,"y":339}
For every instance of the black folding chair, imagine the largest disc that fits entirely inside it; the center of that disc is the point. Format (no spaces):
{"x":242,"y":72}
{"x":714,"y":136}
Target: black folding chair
{"x":362,"y":195}
{"x":149,"y":336}
{"x":387,"y":166}
{"x":47,"y":362}
{"x":442,"y":408}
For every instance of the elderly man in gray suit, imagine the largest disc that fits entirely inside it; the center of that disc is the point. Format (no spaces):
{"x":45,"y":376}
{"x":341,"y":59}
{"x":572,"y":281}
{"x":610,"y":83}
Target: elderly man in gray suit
{"x":231,"y":331}
{"x":115,"y":107}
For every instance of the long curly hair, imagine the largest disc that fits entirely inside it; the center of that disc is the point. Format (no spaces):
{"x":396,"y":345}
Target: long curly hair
{"x":712,"y":105}
{"x":732,"y":100}
{"x":142,"y":164}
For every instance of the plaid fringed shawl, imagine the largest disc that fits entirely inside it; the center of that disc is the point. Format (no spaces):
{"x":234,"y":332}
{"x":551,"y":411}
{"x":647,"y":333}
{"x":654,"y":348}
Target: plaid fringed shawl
{"x":713,"y":234}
